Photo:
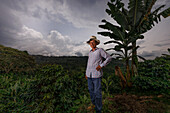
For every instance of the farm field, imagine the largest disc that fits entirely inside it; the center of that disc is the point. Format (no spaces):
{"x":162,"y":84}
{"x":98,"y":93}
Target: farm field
{"x":58,"y":84}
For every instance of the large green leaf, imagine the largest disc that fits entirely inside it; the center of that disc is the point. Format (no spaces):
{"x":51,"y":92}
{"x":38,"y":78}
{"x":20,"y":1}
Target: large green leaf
{"x":165,"y":13}
{"x":136,"y":10}
{"x":150,"y":17}
{"x":117,"y":54}
{"x":116,"y":49}
{"x":119,"y":48}
{"x":129,"y":47}
{"x":108,"y":42}
{"x":111,"y":35}
{"x":110,"y":49}
{"x":115,"y":29}
{"x":117,"y":14}
{"x":141,"y":57}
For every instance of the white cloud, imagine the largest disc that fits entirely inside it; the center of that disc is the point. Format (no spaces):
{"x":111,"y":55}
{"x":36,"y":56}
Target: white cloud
{"x":30,"y":33}
{"x":55,"y":44}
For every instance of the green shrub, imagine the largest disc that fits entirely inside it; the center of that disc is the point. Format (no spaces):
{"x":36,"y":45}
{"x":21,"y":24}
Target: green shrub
{"x":12,"y":87}
{"x":111,"y":83}
{"x":151,"y":84}
{"x":154,"y":75}
{"x":53,"y":90}
{"x":50,"y":89}
{"x":158,"y":68}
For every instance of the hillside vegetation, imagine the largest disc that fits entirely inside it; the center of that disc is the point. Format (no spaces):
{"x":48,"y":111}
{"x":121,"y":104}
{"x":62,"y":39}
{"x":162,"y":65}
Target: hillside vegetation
{"x":13,"y":60}
{"x":58,"y":84}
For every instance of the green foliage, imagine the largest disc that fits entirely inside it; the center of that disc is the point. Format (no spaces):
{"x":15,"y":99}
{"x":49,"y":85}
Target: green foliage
{"x":45,"y":91}
{"x":11,"y":88}
{"x":13,"y":60}
{"x":50,"y":89}
{"x":154,"y":85}
{"x":81,"y":104}
{"x":110,"y":84}
{"x":155,"y":75}
{"x":55,"y":87}
{"x":158,"y":68}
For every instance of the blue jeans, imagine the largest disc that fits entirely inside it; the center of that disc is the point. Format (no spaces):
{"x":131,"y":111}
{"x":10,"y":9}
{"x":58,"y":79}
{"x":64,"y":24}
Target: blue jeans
{"x":95,"y":89}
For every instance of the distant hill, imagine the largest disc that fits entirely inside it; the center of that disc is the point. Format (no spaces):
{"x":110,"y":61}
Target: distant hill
{"x":13,"y":60}
{"x":61,"y":60}
{"x":73,"y":63}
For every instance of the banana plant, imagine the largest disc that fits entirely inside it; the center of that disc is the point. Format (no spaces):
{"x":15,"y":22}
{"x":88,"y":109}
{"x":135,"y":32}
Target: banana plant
{"x":132,"y":23}
{"x":120,"y":37}
{"x":142,"y":19}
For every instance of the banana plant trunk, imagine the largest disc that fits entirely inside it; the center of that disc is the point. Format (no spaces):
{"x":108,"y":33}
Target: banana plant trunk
{"x":127,"y":65}
{"x":134,"y":57}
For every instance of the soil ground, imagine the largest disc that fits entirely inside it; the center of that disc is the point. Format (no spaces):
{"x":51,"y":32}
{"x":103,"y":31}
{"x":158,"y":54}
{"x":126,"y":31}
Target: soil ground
{"x":135,"y":104}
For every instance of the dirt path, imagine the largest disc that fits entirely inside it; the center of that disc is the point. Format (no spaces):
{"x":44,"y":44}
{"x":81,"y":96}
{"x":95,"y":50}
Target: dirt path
{"x":136,"y":104}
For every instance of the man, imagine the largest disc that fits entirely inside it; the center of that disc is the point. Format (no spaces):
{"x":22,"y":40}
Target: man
{"x":94,"y":72}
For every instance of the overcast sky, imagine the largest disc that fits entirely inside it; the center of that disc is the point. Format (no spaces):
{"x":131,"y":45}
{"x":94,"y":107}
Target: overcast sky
{"x":62,"y":27}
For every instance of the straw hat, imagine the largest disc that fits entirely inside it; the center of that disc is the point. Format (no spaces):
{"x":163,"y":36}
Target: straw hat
{"x":93,"y":38}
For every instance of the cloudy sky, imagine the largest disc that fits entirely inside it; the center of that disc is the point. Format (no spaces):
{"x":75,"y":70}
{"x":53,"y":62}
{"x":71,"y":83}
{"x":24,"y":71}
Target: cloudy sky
{"x":62,"y":27}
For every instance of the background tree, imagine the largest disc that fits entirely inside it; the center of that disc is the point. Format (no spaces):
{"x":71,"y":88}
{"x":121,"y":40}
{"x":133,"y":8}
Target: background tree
{"x":132,"y":23}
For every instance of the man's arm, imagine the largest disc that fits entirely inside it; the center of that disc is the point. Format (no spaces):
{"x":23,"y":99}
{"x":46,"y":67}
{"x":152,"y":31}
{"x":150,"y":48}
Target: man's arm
{"x":105,"y":55}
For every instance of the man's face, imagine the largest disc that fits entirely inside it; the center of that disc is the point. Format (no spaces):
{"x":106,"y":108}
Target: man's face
{"x":92,"y":44}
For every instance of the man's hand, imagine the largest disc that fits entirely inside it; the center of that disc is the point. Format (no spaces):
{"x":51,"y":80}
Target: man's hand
{"x":98,"y":68}
{"x":86,"y":77}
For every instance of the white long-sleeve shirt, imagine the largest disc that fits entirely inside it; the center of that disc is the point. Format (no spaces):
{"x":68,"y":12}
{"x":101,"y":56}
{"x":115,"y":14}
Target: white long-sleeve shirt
{"x":96,"y":58}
